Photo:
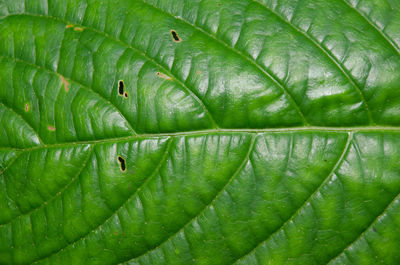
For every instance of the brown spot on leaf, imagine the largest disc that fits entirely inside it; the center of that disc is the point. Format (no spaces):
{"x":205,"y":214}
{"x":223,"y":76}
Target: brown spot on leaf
{"x":69,"y":26}
{"x":78,"y":29}
{"x":163,"y":76}
{"x":51,"y":128}
{"x":27,"y":107}
{"x":65,"y":83}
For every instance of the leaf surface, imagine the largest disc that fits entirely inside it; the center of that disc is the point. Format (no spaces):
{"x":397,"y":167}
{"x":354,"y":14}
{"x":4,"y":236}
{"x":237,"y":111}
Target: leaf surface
{"x":150,"y":132}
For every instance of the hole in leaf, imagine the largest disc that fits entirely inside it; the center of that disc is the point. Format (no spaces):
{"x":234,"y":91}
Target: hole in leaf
{"x":122,"y":164}
{"x":121,"y":87}
{"x":175,"y":36}
{"x":126,"y":95}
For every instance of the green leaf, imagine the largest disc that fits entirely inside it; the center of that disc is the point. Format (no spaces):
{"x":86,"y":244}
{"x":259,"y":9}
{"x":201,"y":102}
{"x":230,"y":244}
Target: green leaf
{"x":150,"y":132}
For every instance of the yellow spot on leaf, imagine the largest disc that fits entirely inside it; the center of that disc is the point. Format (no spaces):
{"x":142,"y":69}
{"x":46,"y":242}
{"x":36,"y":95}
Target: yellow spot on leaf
{"x":163,"y":76}
{"x":65,"y":82}
{"x":69,"y":26}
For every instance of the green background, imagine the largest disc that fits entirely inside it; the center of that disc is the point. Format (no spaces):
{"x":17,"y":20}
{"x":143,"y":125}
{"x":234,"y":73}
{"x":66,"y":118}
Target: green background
{"x":269,"y":133}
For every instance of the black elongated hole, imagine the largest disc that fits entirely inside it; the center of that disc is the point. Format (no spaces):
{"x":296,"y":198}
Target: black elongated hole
{"x":175,"y":36}
{"x":122,"y":164}
{"x":121,"y":87}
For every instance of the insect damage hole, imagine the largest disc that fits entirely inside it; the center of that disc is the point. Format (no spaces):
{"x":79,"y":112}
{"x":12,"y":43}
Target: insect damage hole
{"x":121,"y":86}
{"x":122,"y":164}
{"x":175,"y":36}
{"x":126,"y":95}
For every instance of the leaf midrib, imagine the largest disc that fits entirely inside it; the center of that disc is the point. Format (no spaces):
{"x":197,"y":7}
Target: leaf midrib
{"x":232,"y":177}
{"x":201,"y":132}
{"x":247,"y":58}
{"x":315,"y":129}
{"x":242,"y":131}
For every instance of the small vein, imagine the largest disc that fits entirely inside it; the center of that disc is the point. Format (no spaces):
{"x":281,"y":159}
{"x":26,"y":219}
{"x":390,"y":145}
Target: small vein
{"x":328,"y":54}
{"x":373,"y":25}
{"x":12,"y":161}
{"x":25,"y":121}
{"x":275,"y":80}
{"x":161,"y":162}
{"x":57,"y":194}
{"x":238,"y":170}
{"x":373,"y":222}
{"x":181,"y":83}
{"x":4,"y":177}
{"x":51,"y":72}
{"x":341,"y":157}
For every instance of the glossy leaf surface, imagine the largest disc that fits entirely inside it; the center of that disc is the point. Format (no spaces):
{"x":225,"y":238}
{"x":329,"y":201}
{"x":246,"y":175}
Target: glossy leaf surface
{"x":150,"y":132}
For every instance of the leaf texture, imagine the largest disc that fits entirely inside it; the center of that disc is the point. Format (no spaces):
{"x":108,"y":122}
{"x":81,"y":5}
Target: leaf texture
{"x":150,"y":132}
